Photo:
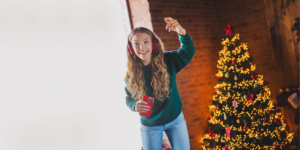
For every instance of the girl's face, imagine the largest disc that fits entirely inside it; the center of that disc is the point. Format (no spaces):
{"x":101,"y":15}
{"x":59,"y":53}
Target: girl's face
{"x":142,"y":45}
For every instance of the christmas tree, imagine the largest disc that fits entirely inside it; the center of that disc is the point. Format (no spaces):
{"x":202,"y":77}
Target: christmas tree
{"x":243,"y":115}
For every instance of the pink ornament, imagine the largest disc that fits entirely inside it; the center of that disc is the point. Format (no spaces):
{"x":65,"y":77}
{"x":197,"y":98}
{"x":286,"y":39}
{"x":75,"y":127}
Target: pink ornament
{"x":228,"y":132}
{"x":250,"y":101}
{"x":235,"y":104}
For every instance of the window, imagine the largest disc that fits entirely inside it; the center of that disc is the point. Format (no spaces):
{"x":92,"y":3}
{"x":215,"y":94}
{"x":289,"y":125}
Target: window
{"x":62,"y":76}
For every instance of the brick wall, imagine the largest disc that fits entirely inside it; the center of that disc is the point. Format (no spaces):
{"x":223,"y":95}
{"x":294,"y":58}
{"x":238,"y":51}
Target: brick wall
{"x":205,"y":21}
{"x":140,"y":14}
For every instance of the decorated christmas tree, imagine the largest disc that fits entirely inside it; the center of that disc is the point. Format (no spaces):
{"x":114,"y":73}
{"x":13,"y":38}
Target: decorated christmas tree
{"x":243,"y":115}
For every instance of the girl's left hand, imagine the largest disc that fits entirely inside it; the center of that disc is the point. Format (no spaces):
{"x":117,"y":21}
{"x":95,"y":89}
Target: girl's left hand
{"x":173,"y":25}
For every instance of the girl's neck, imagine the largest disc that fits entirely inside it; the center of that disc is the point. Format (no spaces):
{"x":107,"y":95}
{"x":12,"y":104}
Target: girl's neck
{"x":146,"y":63}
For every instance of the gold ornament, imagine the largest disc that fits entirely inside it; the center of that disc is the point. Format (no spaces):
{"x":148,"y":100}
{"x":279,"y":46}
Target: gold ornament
{"x":280,"y":90}
{"x":262,"y":129}
{"x":276,"y":116}
{"x":226,"y":108}
{"x":235,"y":77}
{"x":260,"y":95}
{"x":238,"y":121}
{"x":243,"y":108}
{"x":252,"y":118}
{"x":245,"y":96}
{"x":225,"y":48}
{"x":253,"y":67}
{"x":227,"y":75}
{"x":207,"y":143}
{"x":258,"y":136}
{"x":225,"y":117}
{"x":287,"y":90}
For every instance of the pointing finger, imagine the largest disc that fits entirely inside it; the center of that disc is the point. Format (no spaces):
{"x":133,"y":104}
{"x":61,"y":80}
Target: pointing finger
{"x":168,"y":19}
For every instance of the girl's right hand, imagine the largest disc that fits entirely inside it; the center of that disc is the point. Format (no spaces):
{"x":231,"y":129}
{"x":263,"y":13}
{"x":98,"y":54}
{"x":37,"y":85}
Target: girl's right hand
{"x":141,"y":107}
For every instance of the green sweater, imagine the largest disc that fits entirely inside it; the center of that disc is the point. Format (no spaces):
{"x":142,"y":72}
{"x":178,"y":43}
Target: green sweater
{"x":167,"y":111}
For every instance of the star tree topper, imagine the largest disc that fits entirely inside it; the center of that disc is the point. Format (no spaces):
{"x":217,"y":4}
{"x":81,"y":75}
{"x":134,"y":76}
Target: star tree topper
{"x":235,"y":104}
{"x":229,"y":31}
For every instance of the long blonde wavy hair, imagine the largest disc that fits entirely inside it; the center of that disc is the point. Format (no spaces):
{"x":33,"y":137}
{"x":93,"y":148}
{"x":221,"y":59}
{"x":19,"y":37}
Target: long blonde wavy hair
{"x":160,"y":79}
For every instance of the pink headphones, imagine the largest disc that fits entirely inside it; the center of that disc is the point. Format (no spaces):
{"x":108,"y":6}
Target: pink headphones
{"x":154,"y":42}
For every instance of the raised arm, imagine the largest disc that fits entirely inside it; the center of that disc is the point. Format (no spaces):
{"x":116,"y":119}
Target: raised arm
{"x":181,"y":57}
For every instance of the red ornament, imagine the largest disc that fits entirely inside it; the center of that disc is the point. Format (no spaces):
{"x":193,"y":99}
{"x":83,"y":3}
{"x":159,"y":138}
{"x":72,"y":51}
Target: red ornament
{"x":252,"y":76}
{"x":277,"y":121}
{"x":225,"y":148}
{"x":217,"y":106}
{"x":215,"y":93}
{"x":209,"y":118}
{"x":265,"y":120}
{"x":275,"y":147}
{"x":233,"y":62}
{"x":250,"y":101}
{"x":218,"y":77}
{"x":228,"y":30}
{"x":210,"y":132}
{"x":298,"y":88}
{"x":245,"y":127}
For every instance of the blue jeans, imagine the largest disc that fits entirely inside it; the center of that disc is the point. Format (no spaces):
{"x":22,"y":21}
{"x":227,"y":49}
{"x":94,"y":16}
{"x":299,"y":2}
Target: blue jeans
{"x":176,"y":131}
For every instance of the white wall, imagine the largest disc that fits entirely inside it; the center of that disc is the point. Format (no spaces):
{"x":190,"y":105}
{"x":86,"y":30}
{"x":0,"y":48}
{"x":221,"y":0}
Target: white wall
{"x":62,"y":68}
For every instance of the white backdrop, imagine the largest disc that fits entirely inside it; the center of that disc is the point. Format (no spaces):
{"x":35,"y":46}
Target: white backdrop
{"x":62,"y":68}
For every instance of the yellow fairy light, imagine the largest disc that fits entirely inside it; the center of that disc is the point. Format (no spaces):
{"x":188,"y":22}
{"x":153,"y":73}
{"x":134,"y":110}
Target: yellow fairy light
{"x":253,"y":67}
{"x":244,"y":46}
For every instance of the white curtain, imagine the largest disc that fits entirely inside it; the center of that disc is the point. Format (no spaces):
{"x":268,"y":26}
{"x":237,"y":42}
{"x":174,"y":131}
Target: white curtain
{"x":62,"y":66}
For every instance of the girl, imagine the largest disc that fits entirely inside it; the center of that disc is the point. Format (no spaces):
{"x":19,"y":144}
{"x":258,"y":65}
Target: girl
{"x":152,"y":71}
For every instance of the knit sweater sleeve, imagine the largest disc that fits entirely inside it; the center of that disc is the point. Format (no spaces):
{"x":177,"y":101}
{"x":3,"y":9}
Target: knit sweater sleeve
{"x":181,"y":57}
{"x":129,"y":101}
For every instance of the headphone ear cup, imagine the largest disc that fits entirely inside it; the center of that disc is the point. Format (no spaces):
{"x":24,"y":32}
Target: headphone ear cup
{"x":130,"y":48}
{"x":154,"y":44}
